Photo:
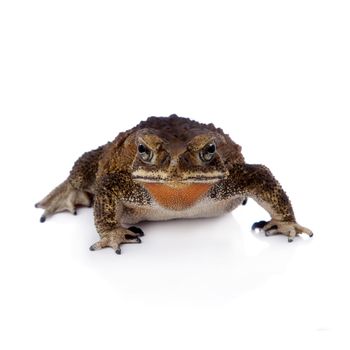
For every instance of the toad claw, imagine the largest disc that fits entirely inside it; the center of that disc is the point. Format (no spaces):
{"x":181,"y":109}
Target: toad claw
{"x":289,"y":229}
{"x":258,"y":225}
{"x":136,"y":230}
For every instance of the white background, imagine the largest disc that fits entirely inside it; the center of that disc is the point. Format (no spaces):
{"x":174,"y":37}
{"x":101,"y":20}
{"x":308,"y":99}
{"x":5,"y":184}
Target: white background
{"x":273,"y":74}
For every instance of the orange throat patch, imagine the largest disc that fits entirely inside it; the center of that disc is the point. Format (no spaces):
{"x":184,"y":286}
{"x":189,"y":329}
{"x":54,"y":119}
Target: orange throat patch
{"x":177,"y":196}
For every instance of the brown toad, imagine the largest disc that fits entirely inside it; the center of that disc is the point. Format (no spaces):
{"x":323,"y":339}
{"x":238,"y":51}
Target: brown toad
{"x":167,"y":168}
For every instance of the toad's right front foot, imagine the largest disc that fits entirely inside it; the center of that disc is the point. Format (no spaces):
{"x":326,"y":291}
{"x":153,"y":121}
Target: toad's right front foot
{"x":63,"y":198}
{"x":115,"y":238}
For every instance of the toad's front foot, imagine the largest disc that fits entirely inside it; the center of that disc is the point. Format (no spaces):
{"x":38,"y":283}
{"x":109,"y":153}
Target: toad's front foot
{"x":63,"y":198}
{"x":289,"y":229}
{"x":117,"y":237}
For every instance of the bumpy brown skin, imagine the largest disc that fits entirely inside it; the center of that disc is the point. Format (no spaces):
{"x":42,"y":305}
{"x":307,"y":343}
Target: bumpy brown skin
{"x":125,"y":188}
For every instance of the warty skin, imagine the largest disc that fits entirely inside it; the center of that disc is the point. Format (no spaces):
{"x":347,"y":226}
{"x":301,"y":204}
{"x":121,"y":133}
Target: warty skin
{"x":166,"y":168}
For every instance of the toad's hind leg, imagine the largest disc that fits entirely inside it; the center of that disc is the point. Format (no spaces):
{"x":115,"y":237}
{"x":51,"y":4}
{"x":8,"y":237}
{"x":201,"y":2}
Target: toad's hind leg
{"x":77,"y":190}
{"x":63,"y":198}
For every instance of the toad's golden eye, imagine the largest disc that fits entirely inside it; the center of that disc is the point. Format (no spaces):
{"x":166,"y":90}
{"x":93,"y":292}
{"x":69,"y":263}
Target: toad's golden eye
{"x":145,"y":153}
{"x":208,"y":152}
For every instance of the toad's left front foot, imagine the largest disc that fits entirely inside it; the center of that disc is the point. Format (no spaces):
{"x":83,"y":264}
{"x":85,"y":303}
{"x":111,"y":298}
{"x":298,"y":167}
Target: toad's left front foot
{"x":289,"y":229}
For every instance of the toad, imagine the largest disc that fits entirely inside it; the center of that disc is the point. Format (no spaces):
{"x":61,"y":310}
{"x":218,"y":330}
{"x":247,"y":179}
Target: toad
{"x":168,"y":168}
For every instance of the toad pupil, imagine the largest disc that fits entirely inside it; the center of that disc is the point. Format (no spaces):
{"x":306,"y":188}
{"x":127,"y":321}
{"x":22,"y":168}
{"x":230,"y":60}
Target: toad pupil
{"x":142,"y":149}
{"x":211,"y":148}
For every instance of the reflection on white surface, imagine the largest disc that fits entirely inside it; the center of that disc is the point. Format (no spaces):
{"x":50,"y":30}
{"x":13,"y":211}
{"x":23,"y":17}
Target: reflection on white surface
{"x":195,"y":261}
{"x":201,"y":277}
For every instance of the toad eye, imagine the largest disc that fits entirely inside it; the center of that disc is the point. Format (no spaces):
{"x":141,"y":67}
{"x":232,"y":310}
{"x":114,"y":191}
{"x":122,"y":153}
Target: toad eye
{"x":145,"y":153}
{"x":208,"y":152}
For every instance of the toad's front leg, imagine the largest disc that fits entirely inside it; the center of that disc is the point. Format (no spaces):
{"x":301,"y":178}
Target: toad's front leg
{"x":108,"y":210}
{"x":257,"y":182}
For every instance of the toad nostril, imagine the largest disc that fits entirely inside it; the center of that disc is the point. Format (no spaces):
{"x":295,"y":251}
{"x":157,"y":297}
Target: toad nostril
{"x":164,"y":161}
{"x":185,"y":161}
